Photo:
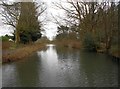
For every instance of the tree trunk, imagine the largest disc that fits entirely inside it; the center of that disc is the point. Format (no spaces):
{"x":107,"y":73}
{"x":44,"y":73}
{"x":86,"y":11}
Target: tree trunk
{"x":17,"y":37}
{"x":108,"y":45}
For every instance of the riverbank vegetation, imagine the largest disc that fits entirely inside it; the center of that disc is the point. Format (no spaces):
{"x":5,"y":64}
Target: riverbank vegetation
{"x":94,"y":24}
{"x":15,"y":52}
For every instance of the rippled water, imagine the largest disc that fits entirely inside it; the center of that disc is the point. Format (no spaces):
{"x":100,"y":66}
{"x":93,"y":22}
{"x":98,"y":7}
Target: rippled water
{"x":61,"y":67}
{"x":0,"y":75}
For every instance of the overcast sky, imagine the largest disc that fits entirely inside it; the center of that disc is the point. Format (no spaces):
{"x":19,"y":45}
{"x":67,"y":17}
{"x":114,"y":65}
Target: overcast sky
{"x":51,"y":27}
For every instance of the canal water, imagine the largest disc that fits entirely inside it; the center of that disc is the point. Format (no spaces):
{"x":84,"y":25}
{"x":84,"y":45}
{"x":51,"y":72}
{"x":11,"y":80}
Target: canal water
{"x":61,"y":67}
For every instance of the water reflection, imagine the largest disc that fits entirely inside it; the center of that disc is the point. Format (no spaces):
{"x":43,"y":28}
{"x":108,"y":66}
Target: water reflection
{"x":28,"y":75}
{"x":8,"y":74}
{"x":0,"y":75}
{"x":49,"y":66}
{"x":61,"y":67}
{"x":69,"y":63}
{"x":99,"y":69}
{"x":22,"y":73}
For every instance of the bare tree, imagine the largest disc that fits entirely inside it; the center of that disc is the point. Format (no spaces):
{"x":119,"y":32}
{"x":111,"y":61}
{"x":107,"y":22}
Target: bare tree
{"x":92,"y":18}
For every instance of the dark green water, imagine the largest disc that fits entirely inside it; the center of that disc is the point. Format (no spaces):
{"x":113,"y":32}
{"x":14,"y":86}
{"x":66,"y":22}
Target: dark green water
{"x":61,"y":67}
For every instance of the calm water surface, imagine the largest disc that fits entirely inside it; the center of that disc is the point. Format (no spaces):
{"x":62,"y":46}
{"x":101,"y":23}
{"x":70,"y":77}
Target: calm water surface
{"x":61,"y":67}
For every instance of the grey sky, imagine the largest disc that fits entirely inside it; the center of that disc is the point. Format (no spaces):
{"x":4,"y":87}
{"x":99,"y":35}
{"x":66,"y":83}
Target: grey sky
{"x":50,"y":27}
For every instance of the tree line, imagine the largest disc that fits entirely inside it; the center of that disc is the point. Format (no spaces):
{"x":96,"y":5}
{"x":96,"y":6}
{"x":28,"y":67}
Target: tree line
{"x":95,"y":24}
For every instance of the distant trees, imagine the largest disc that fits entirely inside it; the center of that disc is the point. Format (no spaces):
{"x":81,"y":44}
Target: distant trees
{"x":65,"y":32}
{"x":23,"y":16}
{"x":96,"y":22}
{"x":43,"y":39}
{"x":62,"y":32}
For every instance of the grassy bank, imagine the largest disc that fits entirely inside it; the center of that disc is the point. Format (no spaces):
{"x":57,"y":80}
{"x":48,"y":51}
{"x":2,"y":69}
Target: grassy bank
{"x":13,"y":52}
{"x":114,"y":51}
{"x":68,"y":43}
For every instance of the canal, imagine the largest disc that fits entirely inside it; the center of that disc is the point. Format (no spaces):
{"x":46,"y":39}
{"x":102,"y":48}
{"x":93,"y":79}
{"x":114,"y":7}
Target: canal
{"x":61,"y":67}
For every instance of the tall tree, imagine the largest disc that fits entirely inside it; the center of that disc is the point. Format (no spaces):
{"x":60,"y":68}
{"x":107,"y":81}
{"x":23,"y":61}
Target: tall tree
{"x":28,"y":23}
{"x":23,"y":13}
